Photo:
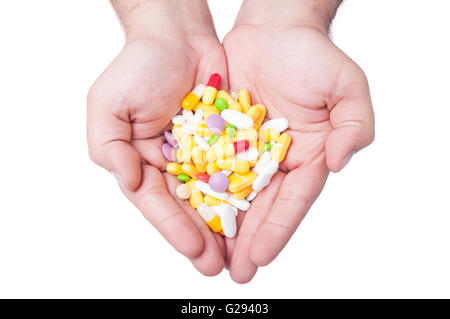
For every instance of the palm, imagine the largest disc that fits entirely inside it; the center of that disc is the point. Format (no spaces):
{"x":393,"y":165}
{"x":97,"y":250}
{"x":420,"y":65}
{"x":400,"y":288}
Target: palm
{"x":298,"y":74}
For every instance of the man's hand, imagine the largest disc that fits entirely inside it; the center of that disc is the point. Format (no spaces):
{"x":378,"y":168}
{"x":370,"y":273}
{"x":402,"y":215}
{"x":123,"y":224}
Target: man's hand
{"x":171,"y":45}
{"x":282,"y":54}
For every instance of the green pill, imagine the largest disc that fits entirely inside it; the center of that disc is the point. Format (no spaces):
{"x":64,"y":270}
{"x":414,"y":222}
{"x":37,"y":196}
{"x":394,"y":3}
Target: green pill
{"x":221,"y":104}
{"x":213,"y":139}
{"x":183,"y":177}
{"x":231,"y":130}
{"x":267,"y":147}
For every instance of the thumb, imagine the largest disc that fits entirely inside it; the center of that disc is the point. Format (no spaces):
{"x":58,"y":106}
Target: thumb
{"x":352,"y":120}
{"x":109,"y":138}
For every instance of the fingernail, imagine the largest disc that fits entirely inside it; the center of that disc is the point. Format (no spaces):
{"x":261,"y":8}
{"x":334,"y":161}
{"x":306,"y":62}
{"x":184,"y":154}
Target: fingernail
{"x":347,"y":159}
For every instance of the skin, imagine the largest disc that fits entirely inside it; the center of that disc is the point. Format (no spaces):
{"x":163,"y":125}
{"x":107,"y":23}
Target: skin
{"x":298,"y":74}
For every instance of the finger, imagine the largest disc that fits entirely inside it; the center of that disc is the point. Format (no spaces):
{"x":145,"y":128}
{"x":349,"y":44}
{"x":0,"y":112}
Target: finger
{"x":108,"y":139}
{"x":161,"y":210}
{"x":242,"y":268}
{"x":210,"y":262}
{"x":150,"y":151}
{"x":297,"y":192}
{"x":214,"y":62}
{"x":352,"y":120}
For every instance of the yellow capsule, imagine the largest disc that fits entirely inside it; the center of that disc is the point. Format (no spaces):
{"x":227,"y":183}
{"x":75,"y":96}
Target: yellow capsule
{"x":174,"y":168}
{"x":280,"y":149}
{"x":187,"y":141}
{"x":243,"y":193}
{"x":223,"y":140}
{"x":261,"y":144}
{"x":262,"y":115}
{"x":184,"y":155}
{"x":200,"y":106}
{"x":198,"y":157}
{"x":189,"y":169}
{"x":244,"y":100}
{"x":178,"y":131}
{"x":254,"y":112}
{"x":232,"y":103}
{"x":196,"y":198}
{"x":215,"y":224}
{"x":209,"y":110}
{"x":233,"y":164}
{"x":192,"y":99}
{"x":241,"y":181}
{"x":224,"y":151}
{"x":212,"y":201}
{"x":211,"y":154}
{"x":269,"y":135}
{"x":212,"y":168}
{"x":202,"y":130}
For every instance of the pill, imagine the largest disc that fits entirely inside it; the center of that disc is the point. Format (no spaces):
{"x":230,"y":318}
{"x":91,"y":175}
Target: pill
{"x":213,"y":139}
{"x":252,"y":195}
{"x":192,"y":99}
{"x":241,"y":204}
{"x":183,"y":191}
{"x":196,"y":198}
{"x":169,"y":152}
{"x":231,"y":130}
{"x":212,"y":168}
{"x":209,"y":110}
{"x":200,"y":106}
{"x":241,"y":146}
{"x":201,"y":142}
{"x":212,"y":201}
{"x":233,"y":164}
{"x":238,"y":119}
{"x":265,"y":175}
{"x":183,"y":177}
{"x":226,"y":172}
{"x":170,"y":139}
{"x":267,"y":147}
{"x":244,"y":100}
{"x":227,"y":215}
{"x":178,"y":120}
{"x":189,"y":169}
{"x":233,"y":104}
{"x":206,"y":189}
{"x":241,"y":181}
{"x":198,"y":116}
{"x":202,"y":177}
{"x":189,"y":128}
{"x":183,"y":155}
{"x":280,"y":149}
{"x":198,"y":157}
{"x":280,"y":124}
{"x":243,"y":193}
{"x":220,"y":104}
{"x":261,"y":116}
{"x":215,"y":123}
{"x":218,"y":182}
{"x":211,"y":89}
{"x":269,"y":135}
{"x":253,"y":112}
{"x":210,"y":217}
{"x":174,"y":168}
{"x":262,"y":161}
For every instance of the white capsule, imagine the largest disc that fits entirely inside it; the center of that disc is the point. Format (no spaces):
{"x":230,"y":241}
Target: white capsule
{"x":252,"y":196}
{"x":227,"y":215}
{"x":201,"y":142}
{"x":198,"y":116}
{"x":238,"y":119}
{"x":263,"y":160}
{"x":249,"y":155}
{"x":206,"y":189}
{"x":206,"y":212}
{"x":265,"y":175}
{"x":178,"y":120}
{"x":199,"y":90}
{"x":241,"y":204}
{"x":279,"y":124}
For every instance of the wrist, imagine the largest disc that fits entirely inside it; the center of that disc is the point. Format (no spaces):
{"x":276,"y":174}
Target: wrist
{"x":317,"y":14}
{"x":164,"y":18}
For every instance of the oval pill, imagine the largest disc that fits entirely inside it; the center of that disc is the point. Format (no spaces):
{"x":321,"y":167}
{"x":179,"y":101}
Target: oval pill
{"x":183,"y":191}
{"x":169,"y":152}
{"x":183,"y":177}
{"x":280,"y":124}
{"x":238,"y":119}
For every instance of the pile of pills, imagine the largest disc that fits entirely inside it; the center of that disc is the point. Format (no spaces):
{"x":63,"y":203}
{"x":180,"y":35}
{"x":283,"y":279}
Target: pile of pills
{"x":223,"y":153}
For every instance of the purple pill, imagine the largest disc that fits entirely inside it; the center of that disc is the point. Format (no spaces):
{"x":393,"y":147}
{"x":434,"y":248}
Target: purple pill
{"x":170,"y":139}
{"x":218,"y":182}
{"x":169,"y":152}
{"x":215,"y":123}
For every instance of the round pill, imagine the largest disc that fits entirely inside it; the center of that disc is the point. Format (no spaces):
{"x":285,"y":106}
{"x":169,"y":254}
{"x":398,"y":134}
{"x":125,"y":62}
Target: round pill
{"x":183,"y":178}
{"x":183,"y":191}
{"x":231,"y":130}
{"x":220,"y":104}
{"x":218,"y":182}
{"x":170,"y":138}
{"x":169,"y":152}
{"x":202,"y":177}
{"x":213,"y":139}
{"x":215,"y":123}
{"x":267,"y":147}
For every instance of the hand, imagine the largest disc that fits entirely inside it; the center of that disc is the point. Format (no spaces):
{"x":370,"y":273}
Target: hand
{"x":132,"y":103}
{"x":298,"y":73}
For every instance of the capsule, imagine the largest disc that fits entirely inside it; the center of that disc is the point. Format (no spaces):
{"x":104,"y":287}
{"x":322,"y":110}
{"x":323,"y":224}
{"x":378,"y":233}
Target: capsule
{"x":202,"y":130}
{"x":210,"y":109}
{"x":232,"y":103}
{"x":184,"y":155}
{"x":211,"y":219}
{"x":198,"y":157}
{"x":200,"y":106}
{"x":211,"y":89}
{"x":262,"y":114}
{"x":244,"y":100}
{"x":189,"y":169}
{"x":239,"y":182}
{"x":280,"y":149}
{"x":269,"y":135}
{"x":233,"y":164}
{"x":243,"y":193}
{"x":192,"y":99}
{"x":254,"y":112}
{"x":174,"y":168}
{"x":212,"y":168}
{"x":196,"y":198}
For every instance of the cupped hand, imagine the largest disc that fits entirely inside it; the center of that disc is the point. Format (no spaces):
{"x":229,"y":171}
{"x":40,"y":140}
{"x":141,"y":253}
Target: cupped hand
{"x":129,"y":107}
{"x":299,"y":74}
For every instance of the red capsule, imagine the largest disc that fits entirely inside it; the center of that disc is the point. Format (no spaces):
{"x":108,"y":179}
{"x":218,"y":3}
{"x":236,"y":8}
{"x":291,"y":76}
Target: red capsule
{"x":214,"y":81}
{"x":202,"y":177}
{"x":241,"y":146}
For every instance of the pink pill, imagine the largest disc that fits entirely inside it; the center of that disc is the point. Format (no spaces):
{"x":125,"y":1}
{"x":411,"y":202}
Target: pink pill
{"x":215,"y":123}
{"x":218,"y":182}
{"x":170,"y":139}
{"x":169,"y":152}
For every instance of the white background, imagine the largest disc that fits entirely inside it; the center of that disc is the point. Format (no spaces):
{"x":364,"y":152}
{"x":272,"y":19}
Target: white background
{"x":381,"y":228}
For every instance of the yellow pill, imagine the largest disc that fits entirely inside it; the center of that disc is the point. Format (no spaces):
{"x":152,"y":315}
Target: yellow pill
{"x":244,"y":100}
{"x":212,"y":201}
{"x":199,"y":159}
{"x":280,"y":149}
{"x":241,"y":181}
{"x":200,"y":106}
{"x":224,"y":151}
{"x":184,"y":155}
{"x":178,"y":131}
{"x":254,"y":112}
{"x":187,"y":141}
{"x":196,"y":198}
{"x":269,"y":135}
{"x":233,"y":164}
{"x":209,"y":110}
{"x":174,"y":168}
{"x":215,"y":224}
{"x":243,"y":193}
{"x":211,"y":154}
{"x":209,"y":95}
{"x":202,"y":130}
{"x":232,"y":103}
{"x":251,"y":135}
{"x":189,"y":169}
{"x":261,"y":116}
{"x":212,"y":168}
